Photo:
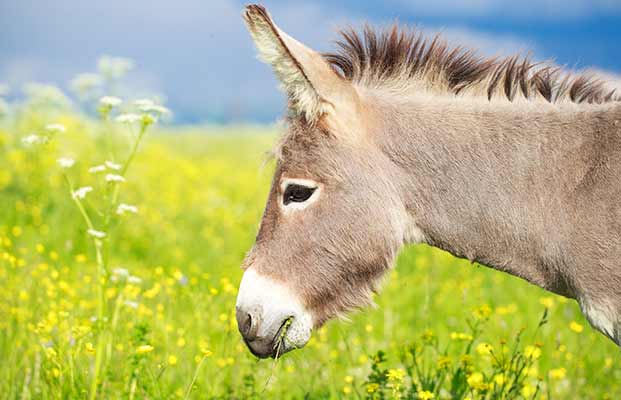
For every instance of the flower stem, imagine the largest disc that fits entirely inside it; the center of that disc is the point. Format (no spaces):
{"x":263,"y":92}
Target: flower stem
{"x":100,"y":292}
{"x":189,"y":389}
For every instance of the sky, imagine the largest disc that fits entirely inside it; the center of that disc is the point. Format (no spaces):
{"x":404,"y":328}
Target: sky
{"x":199,"y":56}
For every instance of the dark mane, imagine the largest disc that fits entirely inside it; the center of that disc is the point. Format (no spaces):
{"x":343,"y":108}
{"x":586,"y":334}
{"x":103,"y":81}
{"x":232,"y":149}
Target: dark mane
{"x":375,"y":58}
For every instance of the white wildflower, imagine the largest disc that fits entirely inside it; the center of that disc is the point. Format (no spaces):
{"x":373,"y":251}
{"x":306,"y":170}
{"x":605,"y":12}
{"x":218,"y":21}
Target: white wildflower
{"x":65,"y":162}
{"x":4,"y":107}
{"x":55,"y":128}
{"x":96,"y":234}
{"x":134,"y":280}
{"x":32,"y":139}
{"x":144,"y":103}
{"x":128,"y":118}
{"x":121,"y":272}
{"x":113,"y":165}
{"x":82,"y":192}
{"x":114,"y":178}
{"x":84,"y":84}
{"x":41,"y":94}
{"x":123,"y":208}
{"x":4,"y":89}
{"x":97,"y":168}
{"x":132,"y":304}
{"x":160,"y":110}
{"x":114,"y":67}
{"x":110,"y":101}
{"x":148,"y":119}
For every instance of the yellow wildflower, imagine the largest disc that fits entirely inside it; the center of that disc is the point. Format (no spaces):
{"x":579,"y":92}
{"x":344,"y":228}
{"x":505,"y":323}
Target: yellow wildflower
{"x":143,"y":349}
{"x":16,"y":231}
{"x":558,"y":373}
{"x":50,"y":352}
{"x":533,"y":352}
{"x":527,"y":391}
{"x":484,"y":349}
{"x":206,"y":352}
{"x":444,"y":362}
{"x":90,"y":349}
{"x":372,"y":387}
{"x":425,"y":395}
{"x":172,"y":360}
{"x":396,"y":374}
{"x":428,"y":335}
{"x":475,"y":380}
{"x":576,"y":327}
{"x":547,"y":301}
{"x":460,"y":336}
{"x":482,"y":312}
{"x":347,"y":389}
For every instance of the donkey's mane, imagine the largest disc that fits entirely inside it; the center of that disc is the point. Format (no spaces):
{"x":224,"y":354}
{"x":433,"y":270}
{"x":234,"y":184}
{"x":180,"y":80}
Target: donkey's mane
{"x":401,"y":55}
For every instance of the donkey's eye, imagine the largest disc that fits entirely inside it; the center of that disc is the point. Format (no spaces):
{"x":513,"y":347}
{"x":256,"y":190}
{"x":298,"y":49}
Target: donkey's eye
{"x":297,"y":193}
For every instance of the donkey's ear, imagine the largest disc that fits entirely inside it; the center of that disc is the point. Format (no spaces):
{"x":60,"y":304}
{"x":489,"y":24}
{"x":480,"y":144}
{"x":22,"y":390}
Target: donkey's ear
{"x":312,"y":85}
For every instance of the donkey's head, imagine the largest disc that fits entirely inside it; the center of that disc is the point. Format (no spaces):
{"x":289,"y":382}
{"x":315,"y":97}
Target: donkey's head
{"x":333,"y":220}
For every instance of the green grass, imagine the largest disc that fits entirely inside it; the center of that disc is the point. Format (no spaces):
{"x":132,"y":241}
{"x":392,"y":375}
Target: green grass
{"x":172,"y":333}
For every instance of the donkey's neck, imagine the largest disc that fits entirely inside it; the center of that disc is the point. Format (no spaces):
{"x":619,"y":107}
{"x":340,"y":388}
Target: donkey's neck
{"x":487,"y":181}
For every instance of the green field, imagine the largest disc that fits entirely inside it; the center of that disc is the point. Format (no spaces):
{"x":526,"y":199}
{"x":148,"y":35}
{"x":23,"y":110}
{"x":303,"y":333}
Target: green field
{"x":153,"y":316}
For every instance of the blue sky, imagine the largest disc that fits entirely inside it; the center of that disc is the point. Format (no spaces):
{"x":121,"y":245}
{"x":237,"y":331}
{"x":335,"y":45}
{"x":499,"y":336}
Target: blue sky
{"x":198,"y":54}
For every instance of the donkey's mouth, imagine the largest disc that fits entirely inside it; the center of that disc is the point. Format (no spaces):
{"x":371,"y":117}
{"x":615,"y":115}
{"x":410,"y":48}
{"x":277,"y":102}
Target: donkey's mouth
{"x":274,"y":346}
{"x":280,"y":346}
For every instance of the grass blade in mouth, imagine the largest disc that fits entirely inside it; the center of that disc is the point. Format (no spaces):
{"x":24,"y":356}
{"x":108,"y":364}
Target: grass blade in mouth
{"x":281,"y":335}
{"x":279,"y":341}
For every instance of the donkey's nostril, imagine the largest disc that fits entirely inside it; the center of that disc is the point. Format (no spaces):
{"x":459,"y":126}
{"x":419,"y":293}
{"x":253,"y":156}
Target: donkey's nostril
{"x":247,"y":325}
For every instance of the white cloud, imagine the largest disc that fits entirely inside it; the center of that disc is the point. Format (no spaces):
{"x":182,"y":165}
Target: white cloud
{"x":484,"y":43}
{"x":611,"y":80}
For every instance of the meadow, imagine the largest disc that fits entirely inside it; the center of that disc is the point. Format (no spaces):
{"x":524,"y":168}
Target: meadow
{"x":120,"y":245}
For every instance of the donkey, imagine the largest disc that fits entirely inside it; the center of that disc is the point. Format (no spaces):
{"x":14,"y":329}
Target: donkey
{"x":398,"y":139}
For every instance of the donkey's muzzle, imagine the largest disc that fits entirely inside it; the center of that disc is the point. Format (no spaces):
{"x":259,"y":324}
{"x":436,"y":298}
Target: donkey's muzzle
{"x":248,"y":324}
{"x":270,"y":318}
